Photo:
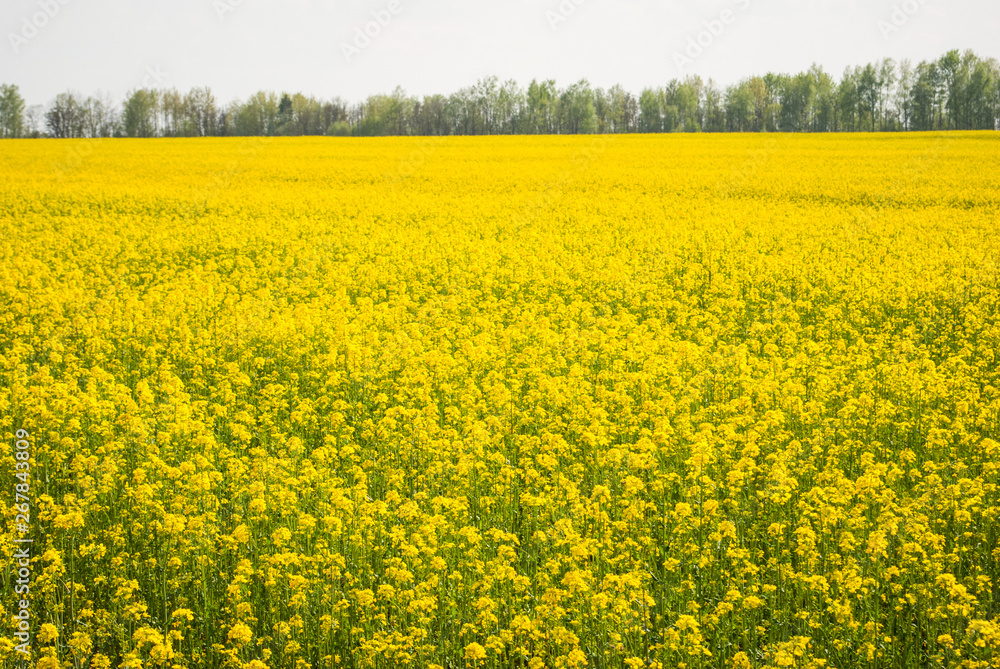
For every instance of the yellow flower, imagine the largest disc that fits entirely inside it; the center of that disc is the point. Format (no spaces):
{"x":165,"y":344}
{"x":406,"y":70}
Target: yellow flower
{"x":240,"y":634}
{"x":80,"y":643}
{"x":48,"y":633}
{"x":475,"y":652}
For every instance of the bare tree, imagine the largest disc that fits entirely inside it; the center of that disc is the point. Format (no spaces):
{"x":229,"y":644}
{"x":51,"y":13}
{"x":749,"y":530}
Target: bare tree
{"x":66,"y":117}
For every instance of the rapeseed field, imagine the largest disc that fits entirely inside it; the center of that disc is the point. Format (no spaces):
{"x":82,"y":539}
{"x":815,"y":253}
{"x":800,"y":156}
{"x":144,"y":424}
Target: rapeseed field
{"x":626,"y":402}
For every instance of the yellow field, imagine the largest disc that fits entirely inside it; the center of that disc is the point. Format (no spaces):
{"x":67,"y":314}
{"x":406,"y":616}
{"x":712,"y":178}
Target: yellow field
{"x":661,"y":401}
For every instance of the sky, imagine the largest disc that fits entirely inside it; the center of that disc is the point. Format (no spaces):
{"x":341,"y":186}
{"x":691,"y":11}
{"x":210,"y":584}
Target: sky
{"x":355,"y":48}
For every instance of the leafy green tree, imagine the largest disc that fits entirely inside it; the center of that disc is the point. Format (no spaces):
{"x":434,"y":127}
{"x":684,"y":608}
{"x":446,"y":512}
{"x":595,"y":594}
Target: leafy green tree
{"x":826,"y":100}
{"x":923,"y":96}
{"x":739,"y":108}
{"x":339,"y":129}
{"x":140,"y":113}
{"x":257,"y":116}
{"x":618,"y":100}
{"x":960,"y":90}
{"x":576,"y":110}
{"x":386,"y":115}
{"x":201,"y":113}
{"x":887,"y":76}
{"x":983,"y":79}
{"x":771,"y":109}
{"x":172,"y":113}
{"x":284,"y":114}
{"x":762,"y":105}
{"x":901,"y":98}
{"x":798,"y":100}
{"x":950,"y":66}
{"x":430,"y":116}
{"x":509,"y":107}
{"x":12,"y":112}
{"x":685,"y":98}
{"x":715,"y":111}
{"x":848,"y":102}
{"x":541,"y":100}
{"x":650,"y":111}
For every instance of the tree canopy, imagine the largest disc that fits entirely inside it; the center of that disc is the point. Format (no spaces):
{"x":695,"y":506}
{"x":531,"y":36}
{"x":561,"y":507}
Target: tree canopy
{"x":959,"y":91}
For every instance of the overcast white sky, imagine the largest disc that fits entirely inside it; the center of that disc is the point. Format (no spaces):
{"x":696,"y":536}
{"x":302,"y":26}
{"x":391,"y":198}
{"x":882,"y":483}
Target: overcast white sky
{"x":438,"y":46}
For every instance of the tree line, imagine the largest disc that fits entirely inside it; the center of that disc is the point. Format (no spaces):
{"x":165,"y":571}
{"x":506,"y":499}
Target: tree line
{"x":959,"y":91}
